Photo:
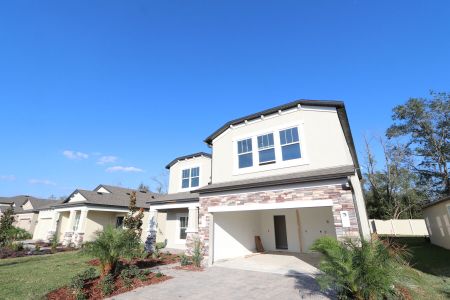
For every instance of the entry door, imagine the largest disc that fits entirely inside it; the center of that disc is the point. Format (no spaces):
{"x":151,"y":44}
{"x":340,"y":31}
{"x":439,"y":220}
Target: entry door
{"x":280,"y":232}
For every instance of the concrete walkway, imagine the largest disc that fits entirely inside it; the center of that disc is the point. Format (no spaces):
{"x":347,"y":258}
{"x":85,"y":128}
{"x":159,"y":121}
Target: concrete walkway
{"x":227,"y":284}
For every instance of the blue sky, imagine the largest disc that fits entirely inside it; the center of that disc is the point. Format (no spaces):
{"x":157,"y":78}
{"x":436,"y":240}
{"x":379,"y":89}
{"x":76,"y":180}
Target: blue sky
{"x":142,"y":82}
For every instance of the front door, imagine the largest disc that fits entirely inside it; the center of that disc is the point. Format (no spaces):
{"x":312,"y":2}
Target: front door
{"x":280,"y":232}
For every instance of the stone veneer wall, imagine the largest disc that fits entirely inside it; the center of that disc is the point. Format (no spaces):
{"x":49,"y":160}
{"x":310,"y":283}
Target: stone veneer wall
{"x":342,"y":201}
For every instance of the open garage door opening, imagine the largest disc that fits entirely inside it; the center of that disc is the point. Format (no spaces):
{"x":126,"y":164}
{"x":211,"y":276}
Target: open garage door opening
{"x":289,"y":230}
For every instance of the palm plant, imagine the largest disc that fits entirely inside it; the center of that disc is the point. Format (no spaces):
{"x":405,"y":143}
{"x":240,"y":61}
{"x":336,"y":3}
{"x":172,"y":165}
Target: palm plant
{"x":359,"y":269}
{"x":110,"y":245}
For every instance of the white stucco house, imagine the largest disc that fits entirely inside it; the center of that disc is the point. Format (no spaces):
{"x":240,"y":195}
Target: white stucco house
{"x":437,"y":219}
{"x":76,"y":219}
{"x":288,"y":174}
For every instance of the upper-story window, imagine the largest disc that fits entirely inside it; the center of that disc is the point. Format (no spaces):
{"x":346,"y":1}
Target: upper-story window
{"x":266,"y":149}
{"x":190,"y":178}
{"x":245,"y":153}
{"x":290,"y":144}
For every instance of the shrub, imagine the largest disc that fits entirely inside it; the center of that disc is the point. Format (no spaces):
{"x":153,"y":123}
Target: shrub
{"x":197,"y":254}
{"x":19,"y":234}
{"x":37,"y":248}
{"x":6,"y":221}
{"x":54,"y":243}
{"x":184,"y":260}
{"x":17,"y":246}
{"x":159,"y":275}
{"x":107,"y":284}
{"x":359,"y":270}
{"x":77,"y":282}
{"x":128,"y":274}
{"x":110,"y":245}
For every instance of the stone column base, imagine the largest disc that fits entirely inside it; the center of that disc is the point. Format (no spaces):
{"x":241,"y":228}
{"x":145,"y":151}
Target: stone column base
{"x":67,"y":240}
{"x":150,"y":242}
{"x":77,"y":239}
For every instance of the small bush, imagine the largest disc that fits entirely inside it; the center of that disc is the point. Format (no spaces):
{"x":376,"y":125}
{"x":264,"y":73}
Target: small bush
{"x":54,"y":243}
{"x":197,"y":255}
{"x":37,"y":248}
{"x":107,"y":284}
{"x":159,"y":275}
{"x":77,"y":282}
{"x":185,"y":260}
{"x":17,"y":246}
{"x":128,"y":274}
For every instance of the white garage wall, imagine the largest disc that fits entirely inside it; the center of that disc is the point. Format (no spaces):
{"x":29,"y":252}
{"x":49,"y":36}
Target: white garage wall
{"x":315,"y":223}
{"x":234,"y":234}
{"x":268,"y":233}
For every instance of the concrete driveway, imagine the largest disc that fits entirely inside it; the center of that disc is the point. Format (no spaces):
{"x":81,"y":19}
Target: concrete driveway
{"x":292,"y":280}
{"x":283,"y":263}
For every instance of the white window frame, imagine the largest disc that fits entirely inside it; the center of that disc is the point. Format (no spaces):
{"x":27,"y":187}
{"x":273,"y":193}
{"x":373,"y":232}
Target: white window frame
{"x":279,"y":163}
{"x":266,"y":148}
{"x":292,"y":143}
{"x":190,"y":178}
{"x":244,"y":153}
{"x":178,"y":231}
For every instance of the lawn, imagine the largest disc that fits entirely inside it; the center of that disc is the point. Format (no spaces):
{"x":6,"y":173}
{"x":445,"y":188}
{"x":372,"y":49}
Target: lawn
{"x":34,"y":276}
{"x":429,"y":275}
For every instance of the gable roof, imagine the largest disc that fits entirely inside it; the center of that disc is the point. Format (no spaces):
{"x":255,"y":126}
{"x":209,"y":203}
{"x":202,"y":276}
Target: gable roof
{"x":437,"y":202}
{"x":198,"y":154}
{"x":117,"y":197}
{"x":340,"y":108}
{"x":19,"y":201}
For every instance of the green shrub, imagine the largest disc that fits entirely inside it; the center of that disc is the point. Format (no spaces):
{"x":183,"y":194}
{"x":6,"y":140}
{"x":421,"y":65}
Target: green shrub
{"x":54,"y":243}
{"x":359,"y":270}
{"x":197,"y":254}
{"x":107,"y":284}
{"x":77,"y":282}
{"x":37,"y":248}
{"x":17,"y":246}
{"x":185,"y":260}
{"x":19,"y":234}
{"x":6,"y":221}
{"x":159,"y":275}
{"x":128,"y":274}
{"x":112,"y":244}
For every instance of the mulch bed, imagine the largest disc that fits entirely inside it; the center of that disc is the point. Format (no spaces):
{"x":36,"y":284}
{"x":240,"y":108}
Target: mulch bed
{"x":9,"y":253}
{"x":190,"y":268}
{"x":145,"y":263}
{"x":93,"y":292}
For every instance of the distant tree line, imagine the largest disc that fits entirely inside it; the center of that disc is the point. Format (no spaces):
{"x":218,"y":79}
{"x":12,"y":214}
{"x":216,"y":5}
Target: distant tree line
{"x":414,"y":168}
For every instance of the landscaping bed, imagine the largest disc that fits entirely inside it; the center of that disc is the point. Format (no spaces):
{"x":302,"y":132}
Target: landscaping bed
{"x":93,"y":291}
{"x":144,"y":263}
{"x":7,"y":252}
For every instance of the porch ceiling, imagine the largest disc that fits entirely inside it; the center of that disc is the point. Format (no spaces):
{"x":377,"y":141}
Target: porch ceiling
{"x":268,"y":206}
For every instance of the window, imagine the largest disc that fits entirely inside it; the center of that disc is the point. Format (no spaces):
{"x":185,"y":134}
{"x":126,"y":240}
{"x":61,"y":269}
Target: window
{"x":266,"y":149}
{"x":119,"y":222}
{"x":77,"y":221}
{"x":183,"y":223}
{"x":290,"y":145}
{"x":245,"y":153}
{"x":195,"y":177}
{"x":190,"y":178}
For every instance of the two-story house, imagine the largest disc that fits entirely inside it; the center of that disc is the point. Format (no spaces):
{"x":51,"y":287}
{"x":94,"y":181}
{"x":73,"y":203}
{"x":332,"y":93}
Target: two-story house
{"x":288,"y":175}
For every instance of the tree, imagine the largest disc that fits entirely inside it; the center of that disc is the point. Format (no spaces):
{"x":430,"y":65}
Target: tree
{"x":133,"y":221}
{"x":143,"y":187}
{"x":6,"y":226}
{"x":390,"y":190}
{"x":425,"y":124}
{"x":110,"y":245}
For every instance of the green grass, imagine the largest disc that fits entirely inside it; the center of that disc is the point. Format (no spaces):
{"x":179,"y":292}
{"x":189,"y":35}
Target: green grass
{"x":429,"y":274}
{"x":34,"y":276}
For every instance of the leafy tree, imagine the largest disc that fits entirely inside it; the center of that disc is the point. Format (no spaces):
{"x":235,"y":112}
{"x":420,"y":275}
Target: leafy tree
{"x":110,"y":245}
{"x":390,"y":190}
{"x":365,"y":270}
{"x":133,"y":221}
{"x":425,"y":124}
{"x":6,"y":226}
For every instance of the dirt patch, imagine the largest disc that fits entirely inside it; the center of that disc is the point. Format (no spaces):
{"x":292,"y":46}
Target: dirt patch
{"x":190,"y":268}
{"x":93,"y":291}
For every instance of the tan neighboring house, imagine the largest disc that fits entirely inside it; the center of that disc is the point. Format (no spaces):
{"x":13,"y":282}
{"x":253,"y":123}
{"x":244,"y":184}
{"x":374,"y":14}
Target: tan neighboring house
{"x":83,"y":213}
{"x":26,"y":210}
{"x":289,"y":175}
{"x":437,"y":218}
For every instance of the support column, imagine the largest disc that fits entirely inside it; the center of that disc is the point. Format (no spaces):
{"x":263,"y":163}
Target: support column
{"x":67,"y":240}
{"x":192,"y":230}
{"x":53,"y":227}
{"x":152,"y":230}
{"x":79,"y":234}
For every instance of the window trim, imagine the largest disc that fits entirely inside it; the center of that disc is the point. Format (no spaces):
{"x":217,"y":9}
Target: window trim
{"x":266,"y":148}
{"x":291,"y":143}
{"x":252,"y":152}
{"x":190,"y":178}
{"x":279,"y":163}
{"x":178,"y":231}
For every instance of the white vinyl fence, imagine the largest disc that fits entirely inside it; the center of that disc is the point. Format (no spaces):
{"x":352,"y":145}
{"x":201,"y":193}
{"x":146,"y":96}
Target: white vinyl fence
{"x":405,"y":228}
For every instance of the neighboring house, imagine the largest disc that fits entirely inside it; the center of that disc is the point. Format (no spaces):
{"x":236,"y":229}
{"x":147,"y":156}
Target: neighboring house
{"x":437,"y":218}
{"x":26,"y":210}
{"x":83,"y":213}
{"x":288,"y":174}
{"x":5,"y":204}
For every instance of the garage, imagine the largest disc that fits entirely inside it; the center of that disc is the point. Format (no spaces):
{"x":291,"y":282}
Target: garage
{"x":280,"y":229}
{"x":43,"y":225}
